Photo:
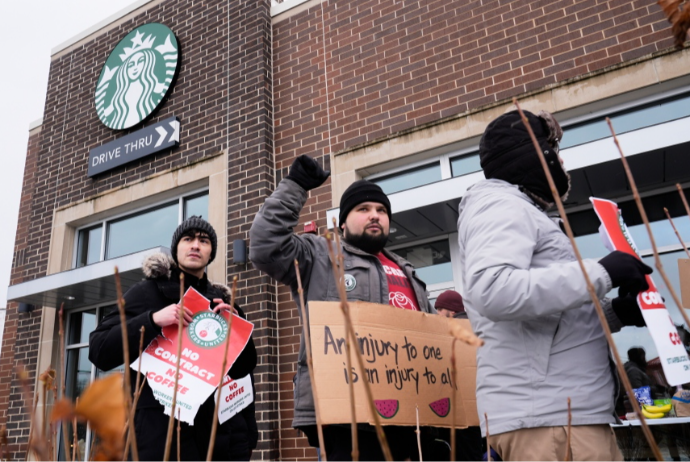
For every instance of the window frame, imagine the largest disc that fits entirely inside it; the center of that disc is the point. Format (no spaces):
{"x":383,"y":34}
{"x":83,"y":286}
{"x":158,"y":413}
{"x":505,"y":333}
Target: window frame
{"x":103,"y":223}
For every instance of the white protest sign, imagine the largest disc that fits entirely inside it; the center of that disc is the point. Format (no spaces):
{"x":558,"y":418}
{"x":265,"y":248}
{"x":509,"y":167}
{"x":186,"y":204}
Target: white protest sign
{"x":235,"y":395}
{"x":672,"y":355}
{"x":203,"y":346}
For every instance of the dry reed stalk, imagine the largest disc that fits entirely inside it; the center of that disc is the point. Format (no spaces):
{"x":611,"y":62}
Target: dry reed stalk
{"x":682,"y":197}
{"x":419,"y":435}
{"x":454,"y":373}
{"x":38,"y":445}
{"x":171,"y":421}
{"x":74,"y":437}
{"x":130,"y":430}
{"x":590,"y":287}
{"x":675,"y":230}
{"x":638,"y":201}
{"x":310,"y":362}
{"x":125,"y":353}
{"x":214,"y":425}
{"x":32,"y":434}
{"x":63,"y":369}
{"x":348,"y":359}
{"x":488,"y":441}
{"x":568,"y":450}
{"x":179,"y":431}
{"x":381,"y":435}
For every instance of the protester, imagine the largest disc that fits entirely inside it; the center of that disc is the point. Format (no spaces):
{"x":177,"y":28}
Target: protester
{"x":372,"y":274}
{"x":153,"y":304}
{"x":449,"y":304}
{"x":636,"y":368}
{"x":527,"y":299}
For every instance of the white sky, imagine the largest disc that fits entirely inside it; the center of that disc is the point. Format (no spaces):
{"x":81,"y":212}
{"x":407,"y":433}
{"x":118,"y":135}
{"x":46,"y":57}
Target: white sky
{"x":29,"y":30}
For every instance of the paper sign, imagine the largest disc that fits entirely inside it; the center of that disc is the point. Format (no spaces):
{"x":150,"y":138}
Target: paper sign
{"x":407,"y":357}
{"x":203,"y":345}
{"x":672,"y":354}
{"x":235,"y":395}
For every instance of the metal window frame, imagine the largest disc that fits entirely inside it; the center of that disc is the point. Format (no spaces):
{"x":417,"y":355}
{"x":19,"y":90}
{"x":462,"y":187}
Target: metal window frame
{"x":131,"y":212}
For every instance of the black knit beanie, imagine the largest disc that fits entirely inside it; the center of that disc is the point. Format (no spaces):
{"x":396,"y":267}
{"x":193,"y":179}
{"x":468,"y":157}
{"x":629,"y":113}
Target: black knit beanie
{"x":506,"y":153}
{"x":195,"y":223}
{"x":358,"y":192}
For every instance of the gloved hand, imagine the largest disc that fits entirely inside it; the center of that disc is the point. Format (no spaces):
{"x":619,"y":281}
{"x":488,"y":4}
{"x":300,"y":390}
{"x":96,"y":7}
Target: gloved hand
{"x":307,"y":173}
{"x":627,"y":310}
{"x":626,"y":271}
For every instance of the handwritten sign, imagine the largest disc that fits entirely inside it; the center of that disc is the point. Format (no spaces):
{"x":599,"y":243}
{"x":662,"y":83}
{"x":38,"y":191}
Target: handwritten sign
{"x":235,"y":395}
{"x":672,"y":354}
{"x":407,"y":357}
{"x":203,"y":345}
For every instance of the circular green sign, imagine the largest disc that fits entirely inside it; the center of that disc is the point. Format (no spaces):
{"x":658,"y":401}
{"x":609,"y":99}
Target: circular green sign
{"x":207,"y":329}
{"x":136,"y":76}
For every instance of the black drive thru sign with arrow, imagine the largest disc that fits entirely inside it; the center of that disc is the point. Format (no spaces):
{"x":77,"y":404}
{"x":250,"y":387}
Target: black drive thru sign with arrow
{"x":141,"y":143}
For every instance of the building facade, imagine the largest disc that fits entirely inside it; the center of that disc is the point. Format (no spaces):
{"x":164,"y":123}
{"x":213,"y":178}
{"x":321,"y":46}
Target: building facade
{"x":397,"y":92}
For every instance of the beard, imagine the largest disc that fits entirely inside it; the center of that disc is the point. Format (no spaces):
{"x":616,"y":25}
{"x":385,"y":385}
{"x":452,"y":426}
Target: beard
{"x":369,"y":243}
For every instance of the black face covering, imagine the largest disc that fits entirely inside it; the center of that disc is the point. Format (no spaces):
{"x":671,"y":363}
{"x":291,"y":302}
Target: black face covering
{"x":366,"y":242}
{"x":507,"y":153}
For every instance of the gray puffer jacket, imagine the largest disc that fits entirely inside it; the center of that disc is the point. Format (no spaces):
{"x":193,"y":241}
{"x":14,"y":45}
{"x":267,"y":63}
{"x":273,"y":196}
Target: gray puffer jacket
{"x":526,"y":297}
{"x":273,"y":249}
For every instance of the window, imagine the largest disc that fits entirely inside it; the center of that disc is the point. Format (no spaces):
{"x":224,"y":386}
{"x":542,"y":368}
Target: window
{"x":431,"y":261}
{"x":628,"y":120}
{"x":466,"y":164}
{"x":409,"y":179}
{"x":137,"y":231}
{"x":79,"y":370}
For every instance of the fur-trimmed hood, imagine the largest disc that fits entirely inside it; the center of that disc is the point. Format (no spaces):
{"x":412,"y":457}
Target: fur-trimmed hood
{"x":160,"y":266}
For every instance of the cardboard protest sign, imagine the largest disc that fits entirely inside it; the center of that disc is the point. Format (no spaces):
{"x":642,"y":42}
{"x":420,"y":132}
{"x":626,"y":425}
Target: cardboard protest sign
{"x":203,"y":346}
{"x":672,"y":354}
{"x":235,"y":395}
{"x":407,"y":357}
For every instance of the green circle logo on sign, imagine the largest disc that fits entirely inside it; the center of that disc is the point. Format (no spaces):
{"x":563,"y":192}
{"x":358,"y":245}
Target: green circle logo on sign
{"x":207,"y":329}
{"x":136,"y":76}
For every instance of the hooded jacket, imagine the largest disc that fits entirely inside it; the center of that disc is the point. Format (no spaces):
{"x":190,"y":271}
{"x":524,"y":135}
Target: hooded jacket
{"x":274,"y":248}
{"x":237,"y":437}
{"x":526,"y":298}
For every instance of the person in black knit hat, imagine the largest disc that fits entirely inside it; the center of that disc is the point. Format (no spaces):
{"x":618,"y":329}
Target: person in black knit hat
{"x":372,"y":274}
{"x":524,"y":292}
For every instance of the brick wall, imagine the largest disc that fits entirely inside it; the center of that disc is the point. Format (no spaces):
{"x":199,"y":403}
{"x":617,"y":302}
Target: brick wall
{"x":389,"y":67}
{"x":20,"y":328}
{"x":223,"y":99}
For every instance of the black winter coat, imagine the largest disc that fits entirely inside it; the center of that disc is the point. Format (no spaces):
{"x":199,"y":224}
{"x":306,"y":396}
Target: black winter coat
{"x":237,"y":437}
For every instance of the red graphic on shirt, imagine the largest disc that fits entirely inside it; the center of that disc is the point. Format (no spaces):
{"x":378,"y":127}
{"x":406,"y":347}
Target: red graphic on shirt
{"x":400,"y":291}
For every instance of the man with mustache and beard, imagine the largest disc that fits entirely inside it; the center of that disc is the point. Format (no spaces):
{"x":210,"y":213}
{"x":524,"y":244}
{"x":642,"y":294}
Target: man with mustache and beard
{"x":526,"y":297}
{"x":372,"y":274}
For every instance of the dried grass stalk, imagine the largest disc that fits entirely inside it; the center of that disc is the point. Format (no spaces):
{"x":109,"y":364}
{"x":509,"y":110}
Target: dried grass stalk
{"x":419,"y":435}
{"x":171,"y":421}
{"x":125,"y":355}
{"x":214,"y":425}
{"x":675,"y":230}
{"x":310,"y":362}
{"x":453,"y":393}
{"x":568,"y":450}
{"x":130,"y":430}
{"x":488,"y":440}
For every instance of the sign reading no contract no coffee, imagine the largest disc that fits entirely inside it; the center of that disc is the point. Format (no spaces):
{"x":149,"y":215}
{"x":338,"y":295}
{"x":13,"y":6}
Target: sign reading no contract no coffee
{"x":162,"y":135}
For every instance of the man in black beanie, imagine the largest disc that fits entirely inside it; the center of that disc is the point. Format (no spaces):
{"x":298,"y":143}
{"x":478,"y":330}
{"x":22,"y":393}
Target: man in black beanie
{"x":525,"y":296}
{"x":372,"y":274}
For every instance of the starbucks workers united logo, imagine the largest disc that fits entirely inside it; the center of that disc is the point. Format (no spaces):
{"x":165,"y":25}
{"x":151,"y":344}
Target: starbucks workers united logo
{"x":207,"y":329}
{"x":136,"y":76}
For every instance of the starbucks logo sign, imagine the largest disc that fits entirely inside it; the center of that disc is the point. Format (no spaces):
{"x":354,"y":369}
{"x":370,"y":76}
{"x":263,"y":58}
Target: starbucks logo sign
{"x":136,"y":76}
{"x":207,"y":329}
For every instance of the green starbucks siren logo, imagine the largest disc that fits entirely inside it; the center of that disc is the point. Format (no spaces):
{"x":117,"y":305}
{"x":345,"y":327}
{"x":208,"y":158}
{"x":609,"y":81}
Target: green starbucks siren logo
{"x":136,"y":76}
{"x":207,"y":329}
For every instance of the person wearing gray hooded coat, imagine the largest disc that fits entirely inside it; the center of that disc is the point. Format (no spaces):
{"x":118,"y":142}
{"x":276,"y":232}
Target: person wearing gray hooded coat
{"x":526,"y":297}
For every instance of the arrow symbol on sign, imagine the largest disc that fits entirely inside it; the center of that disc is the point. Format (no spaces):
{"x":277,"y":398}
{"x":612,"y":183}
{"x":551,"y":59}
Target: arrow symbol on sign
{"x":176,"y":131}
{"x":163,"y":133}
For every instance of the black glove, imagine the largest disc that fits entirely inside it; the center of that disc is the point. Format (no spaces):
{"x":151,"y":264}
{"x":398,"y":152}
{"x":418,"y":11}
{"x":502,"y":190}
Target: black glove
{"x":628,"y":311}
{"x":307,"y":173}
{"x":626,"y":271}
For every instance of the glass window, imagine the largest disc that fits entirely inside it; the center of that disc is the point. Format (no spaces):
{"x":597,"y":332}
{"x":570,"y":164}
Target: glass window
{"x":141,"y":231}
{"x":197,"y":205}
{"x":465,"y":165}
{"x":627,"y":121}
{"x":431,"y":261}
{"x":410,"y":178}
{"x":89,"y":245}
